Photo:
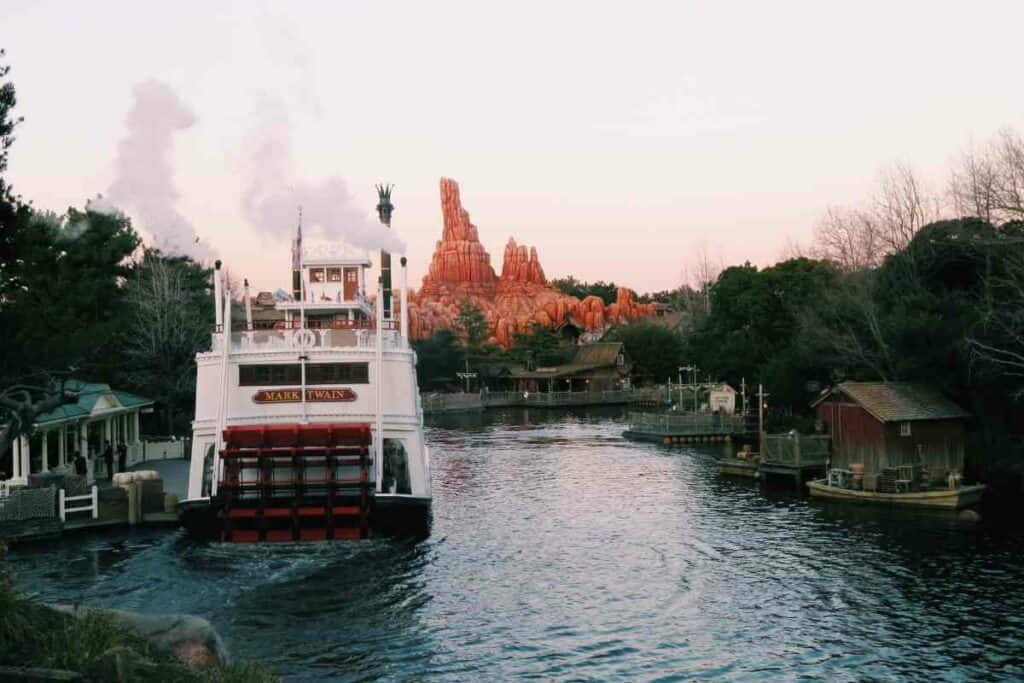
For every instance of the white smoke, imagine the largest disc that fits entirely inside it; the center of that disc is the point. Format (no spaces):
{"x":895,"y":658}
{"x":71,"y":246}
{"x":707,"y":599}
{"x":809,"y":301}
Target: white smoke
{"x":144,"y":175}
{"x":271,"y":199}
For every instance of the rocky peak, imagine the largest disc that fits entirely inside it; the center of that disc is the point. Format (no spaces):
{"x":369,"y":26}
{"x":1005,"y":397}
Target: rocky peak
{"x":521,"y":264}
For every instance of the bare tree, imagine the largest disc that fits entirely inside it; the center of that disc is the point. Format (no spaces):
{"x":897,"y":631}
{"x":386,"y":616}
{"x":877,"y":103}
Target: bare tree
{"x":989,"y":183}
{"x":21,"y":404}
{"x":902,"y":205}
{"x":698,"y":275}
{"x":852,"y":239}
{"x":165,"y":330}
{"x":1000,"y":339}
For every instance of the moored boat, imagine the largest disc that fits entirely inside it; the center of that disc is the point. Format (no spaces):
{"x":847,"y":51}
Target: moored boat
{"x":962,"y":496}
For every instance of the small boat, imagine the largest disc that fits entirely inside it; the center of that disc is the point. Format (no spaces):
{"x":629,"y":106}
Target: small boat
{"x":962,"y":496}
{"x":308,"y":423}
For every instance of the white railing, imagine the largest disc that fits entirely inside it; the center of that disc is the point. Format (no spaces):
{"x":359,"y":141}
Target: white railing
{"x":308,"y":338}
{"x":6,"y":487}
{"x":162,"y":450}
{"x":93,"y":506}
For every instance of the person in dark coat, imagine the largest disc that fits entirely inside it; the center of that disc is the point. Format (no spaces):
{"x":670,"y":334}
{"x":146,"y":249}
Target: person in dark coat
{"x":108,"y":459}
{"x":81,"y":467}
{"x":122,"y":457}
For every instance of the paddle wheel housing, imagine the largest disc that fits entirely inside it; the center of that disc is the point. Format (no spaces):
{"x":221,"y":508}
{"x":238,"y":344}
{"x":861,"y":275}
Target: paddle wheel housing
{"x":293,"y":482}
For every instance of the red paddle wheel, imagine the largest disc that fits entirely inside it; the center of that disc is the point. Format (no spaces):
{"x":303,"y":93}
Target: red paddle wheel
{"x":296,"y":482}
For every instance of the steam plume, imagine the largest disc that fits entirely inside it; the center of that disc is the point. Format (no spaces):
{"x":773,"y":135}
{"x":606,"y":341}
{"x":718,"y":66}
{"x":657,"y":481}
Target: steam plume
{"x":144,"y":176}
{"x":270,"y":200}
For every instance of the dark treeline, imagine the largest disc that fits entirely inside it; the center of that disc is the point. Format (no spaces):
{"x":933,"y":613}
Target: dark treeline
{"x":80,"y":296}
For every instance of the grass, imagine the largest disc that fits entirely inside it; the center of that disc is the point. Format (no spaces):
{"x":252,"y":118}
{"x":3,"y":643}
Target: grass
{"x":36,"y":636}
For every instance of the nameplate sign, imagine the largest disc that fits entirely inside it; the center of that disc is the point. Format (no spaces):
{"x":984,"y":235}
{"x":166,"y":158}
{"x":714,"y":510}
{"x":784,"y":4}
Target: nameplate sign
{"x":312,"y":396}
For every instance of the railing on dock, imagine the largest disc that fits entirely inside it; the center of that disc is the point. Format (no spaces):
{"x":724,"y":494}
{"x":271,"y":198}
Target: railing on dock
{"x":687,"y":424}
{"x":26,"y":503}
{"x":93,"y":506}
{"x":794,"y":450}
{"x":451,"y":403}
{"x":570,"y":398}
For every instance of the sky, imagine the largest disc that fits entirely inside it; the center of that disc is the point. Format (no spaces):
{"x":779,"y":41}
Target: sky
{"x":620,"y":139}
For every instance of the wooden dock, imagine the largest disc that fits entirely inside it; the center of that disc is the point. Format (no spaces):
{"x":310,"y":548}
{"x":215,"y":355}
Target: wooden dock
{"x":678,"y":428}
{"x":433,"y":404}
{"x":798,"y":457}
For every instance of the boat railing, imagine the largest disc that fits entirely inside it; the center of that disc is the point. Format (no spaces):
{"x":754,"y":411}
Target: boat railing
{"x":309,"y":338}
{"x":687,"y":423}
{"x":795,"y":449}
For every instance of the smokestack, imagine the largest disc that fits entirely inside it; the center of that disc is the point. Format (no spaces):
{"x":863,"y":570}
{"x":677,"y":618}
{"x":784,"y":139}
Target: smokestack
{"x":218,"y":296}
{"x":248,"y":306}
{"x":405,"y":303}
{"x":384,"y":210}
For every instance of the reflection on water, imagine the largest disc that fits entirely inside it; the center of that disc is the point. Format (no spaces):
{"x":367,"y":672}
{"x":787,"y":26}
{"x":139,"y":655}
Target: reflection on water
{"x":561,"y":551}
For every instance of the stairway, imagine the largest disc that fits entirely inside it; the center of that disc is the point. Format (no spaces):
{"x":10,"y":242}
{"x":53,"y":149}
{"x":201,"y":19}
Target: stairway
{"x":296,"y":482}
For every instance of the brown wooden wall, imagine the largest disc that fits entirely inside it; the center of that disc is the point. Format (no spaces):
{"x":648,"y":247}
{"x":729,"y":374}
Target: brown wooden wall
{"x":857,"y":437}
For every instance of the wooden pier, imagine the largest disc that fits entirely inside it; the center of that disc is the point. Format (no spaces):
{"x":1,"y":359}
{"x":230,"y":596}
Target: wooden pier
{"x":462,"y":402}
{"x":798,"y":457}
{"x":676,"y":428}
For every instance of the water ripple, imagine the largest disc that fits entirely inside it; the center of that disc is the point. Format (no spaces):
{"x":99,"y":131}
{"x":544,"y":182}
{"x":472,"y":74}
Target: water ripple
{"x":562,"y":552}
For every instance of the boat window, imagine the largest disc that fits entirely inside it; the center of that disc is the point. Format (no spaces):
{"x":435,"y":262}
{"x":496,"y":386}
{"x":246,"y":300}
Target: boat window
{"x":208,"y":470}
{"x":334,"y":274}
{"x":395,"y":477}
{"x":316,"y":274}
{"x":291,"y":374}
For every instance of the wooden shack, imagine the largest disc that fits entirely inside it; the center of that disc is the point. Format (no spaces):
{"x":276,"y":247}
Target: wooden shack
{"x":596,"y":367}
{"x":888,"y":425}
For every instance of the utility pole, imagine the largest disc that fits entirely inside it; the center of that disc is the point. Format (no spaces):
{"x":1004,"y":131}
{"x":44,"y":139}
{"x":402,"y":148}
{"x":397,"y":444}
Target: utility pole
{"x":761,"y":405}
{"x":467,"y":375}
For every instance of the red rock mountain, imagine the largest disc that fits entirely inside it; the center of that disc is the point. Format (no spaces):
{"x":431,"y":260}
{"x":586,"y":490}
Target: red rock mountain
{"x":461,"y":269}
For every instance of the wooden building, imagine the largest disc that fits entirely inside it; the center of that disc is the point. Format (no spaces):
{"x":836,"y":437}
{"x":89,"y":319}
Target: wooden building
{"x":880,"y":426}
{"x":603,"y":366}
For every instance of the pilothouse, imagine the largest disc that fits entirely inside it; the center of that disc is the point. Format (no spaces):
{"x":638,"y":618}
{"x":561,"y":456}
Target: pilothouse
{"x":308,"y":426}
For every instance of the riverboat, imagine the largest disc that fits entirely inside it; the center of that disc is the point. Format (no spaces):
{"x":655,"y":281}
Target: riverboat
{"x":309,"y":426}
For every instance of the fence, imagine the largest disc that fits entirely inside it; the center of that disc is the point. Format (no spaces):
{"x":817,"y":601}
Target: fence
{"x":797,"y":450}
{"x":570,"y":398}
{"x":686,"y":424}
{"x":451,"y":403}
{"x":162,"y":449}
{"x":93,"y":506}
{"x":28,"y":503}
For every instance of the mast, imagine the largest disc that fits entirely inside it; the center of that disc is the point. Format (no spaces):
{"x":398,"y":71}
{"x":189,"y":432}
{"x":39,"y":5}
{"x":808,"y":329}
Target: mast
{"x":384,"y":210}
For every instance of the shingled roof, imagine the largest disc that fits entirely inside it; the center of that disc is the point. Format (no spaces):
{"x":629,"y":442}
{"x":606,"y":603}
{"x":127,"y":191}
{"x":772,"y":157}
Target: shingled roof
{"x":898,"y":401}
{"x":588,"y":357}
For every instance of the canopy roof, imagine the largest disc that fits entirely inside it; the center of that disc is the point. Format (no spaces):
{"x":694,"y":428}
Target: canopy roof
{"x":94,"y":398}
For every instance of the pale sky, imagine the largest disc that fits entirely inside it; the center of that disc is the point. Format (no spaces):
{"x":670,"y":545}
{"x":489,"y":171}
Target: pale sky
{"x":617,"y":138}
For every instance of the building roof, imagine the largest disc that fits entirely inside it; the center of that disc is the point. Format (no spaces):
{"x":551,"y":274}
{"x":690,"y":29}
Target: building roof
{"x":588,"y":357}
{"x":898,"y":401}
{"x":93,"y":397}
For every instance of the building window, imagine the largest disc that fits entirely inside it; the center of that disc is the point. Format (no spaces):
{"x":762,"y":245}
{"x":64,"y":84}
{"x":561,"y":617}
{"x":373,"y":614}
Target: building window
{"x":334,"y":274}
{"x":316,"y":274}
{"x":904,"y":429}
{"x":291,"y":374}
{"x":620,"y":360}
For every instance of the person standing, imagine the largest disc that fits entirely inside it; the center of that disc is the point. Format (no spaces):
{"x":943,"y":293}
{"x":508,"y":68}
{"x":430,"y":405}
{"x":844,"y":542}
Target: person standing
{"x":108,"y":459}
{"x":122,"y":457}
{"x":81,"y":466}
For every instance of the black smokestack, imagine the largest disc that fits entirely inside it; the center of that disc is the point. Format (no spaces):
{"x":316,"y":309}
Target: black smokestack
{"x":384,"y":210}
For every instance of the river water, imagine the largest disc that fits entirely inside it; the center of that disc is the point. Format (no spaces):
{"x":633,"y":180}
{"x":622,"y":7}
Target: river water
{"x":561,"y":551}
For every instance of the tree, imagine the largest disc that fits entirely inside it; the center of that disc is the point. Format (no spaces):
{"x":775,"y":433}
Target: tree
{"x":539,"y":347}
{"x":473,"y":326}
{"x":606,"y":291}
{"x":656,"y":351}
{"x":21,"y":404}
{"x":438,"y":358}
{"x":169,"y":316}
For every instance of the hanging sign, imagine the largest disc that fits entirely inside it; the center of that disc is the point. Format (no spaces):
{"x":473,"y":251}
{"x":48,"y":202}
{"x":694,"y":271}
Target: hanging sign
{"x":312,"y":395}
